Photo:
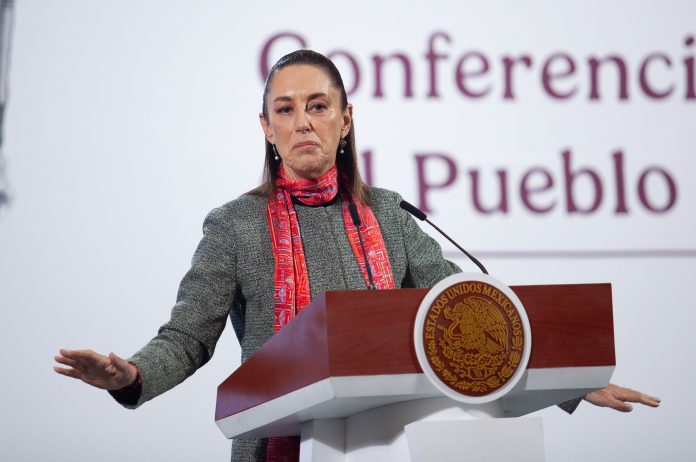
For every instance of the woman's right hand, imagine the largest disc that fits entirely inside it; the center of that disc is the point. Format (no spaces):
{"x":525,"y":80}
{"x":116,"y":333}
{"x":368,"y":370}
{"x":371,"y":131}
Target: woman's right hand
{"x":108,"y":372}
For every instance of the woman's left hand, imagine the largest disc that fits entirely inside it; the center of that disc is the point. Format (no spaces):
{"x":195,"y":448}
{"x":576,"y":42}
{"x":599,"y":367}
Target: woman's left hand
{"x":619,"y":398}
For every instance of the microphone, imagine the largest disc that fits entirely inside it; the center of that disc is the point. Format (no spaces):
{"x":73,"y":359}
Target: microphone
{"x":356,"y":221}
{"x":418,"y":213}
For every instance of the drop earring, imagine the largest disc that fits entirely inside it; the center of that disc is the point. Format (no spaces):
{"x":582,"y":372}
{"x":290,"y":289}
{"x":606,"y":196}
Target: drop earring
{"x":342,"y":145}
{"x":276,"y":157}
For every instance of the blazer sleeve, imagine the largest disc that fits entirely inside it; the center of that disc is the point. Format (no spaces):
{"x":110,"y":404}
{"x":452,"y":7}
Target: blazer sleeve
{"x":187,"y":341}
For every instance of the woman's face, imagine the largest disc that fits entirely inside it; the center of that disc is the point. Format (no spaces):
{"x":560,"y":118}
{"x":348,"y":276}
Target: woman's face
{"x":305,"y":120}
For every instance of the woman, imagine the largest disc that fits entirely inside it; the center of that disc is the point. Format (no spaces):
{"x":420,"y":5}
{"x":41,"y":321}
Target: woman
{"x":265,"y":255}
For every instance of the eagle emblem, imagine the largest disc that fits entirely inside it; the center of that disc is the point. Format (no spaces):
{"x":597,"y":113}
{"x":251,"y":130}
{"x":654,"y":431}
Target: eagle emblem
{"x":473,"y":338}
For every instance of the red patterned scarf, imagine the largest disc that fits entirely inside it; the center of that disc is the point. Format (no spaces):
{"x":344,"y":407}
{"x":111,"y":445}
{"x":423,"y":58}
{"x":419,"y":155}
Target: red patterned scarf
{"x":291,"y":291}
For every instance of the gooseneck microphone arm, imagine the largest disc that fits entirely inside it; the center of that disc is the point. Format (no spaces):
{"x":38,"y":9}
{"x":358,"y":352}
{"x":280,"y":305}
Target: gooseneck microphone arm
{"x":356,"y":221}
{"x":418,"y":213}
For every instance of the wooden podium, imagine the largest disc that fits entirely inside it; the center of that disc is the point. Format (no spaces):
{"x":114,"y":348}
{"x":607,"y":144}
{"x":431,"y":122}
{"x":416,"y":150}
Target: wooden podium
{"x":344,"y":375}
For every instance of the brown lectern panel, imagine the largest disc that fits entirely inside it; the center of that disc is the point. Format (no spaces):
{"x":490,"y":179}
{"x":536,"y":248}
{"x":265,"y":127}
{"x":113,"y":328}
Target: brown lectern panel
{"x":371,"y":332}
{"x":572,"y":325}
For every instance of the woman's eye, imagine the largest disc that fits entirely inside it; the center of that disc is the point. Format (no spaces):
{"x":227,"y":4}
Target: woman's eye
{"x":318,"y":107}
{"x":284,"y":110}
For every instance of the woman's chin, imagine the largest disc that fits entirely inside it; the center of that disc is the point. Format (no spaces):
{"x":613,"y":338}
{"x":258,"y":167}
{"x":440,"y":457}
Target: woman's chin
{"x":310,"y":171}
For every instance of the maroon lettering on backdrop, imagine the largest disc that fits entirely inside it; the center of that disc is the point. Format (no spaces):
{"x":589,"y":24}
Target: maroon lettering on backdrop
{"x":527,"y":190}
{"x":560,"y":74}
{"x":366,"y":169}
{"x":570,"y":176}
{"x":582,"y":188}
{"x":463,"y":75}
{"x":266,"y":61}
{"x":620,"y":183}
{"x":502,"y":205}
{"x":536,"y":186}
{"x":406,"y":65}
{"x":643,"y":190}
{"x":354,"y":66}
{"x":423,"y":185}
{"x":645,"y":84}
{"x":548,"y":76}
{"x":690,"y":74}
{"x":621,"y":75}
{"x":432,"y":56}
{"x":509,"y":63}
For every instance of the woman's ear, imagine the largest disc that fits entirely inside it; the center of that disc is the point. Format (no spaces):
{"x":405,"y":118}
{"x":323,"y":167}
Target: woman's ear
{"x":347,"y":120}
{"x":267,"y":132}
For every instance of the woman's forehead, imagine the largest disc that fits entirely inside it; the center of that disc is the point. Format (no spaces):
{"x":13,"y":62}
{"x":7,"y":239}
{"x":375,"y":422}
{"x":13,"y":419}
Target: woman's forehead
{"x":301,"y":80}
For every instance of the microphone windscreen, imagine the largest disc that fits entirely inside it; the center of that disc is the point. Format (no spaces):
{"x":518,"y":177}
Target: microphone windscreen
{"x":413,"y":210}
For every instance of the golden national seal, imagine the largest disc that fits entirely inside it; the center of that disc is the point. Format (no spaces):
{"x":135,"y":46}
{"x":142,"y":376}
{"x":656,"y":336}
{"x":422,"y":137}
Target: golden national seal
{"x":473,"y":338}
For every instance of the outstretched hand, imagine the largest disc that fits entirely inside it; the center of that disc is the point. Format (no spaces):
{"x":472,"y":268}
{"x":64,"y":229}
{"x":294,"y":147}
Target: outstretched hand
{"x":108,"y":372}
{"x":619,"y":398}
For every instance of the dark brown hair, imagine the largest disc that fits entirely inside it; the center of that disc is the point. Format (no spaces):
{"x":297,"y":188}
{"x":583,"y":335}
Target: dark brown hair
{"x":349,"y":181}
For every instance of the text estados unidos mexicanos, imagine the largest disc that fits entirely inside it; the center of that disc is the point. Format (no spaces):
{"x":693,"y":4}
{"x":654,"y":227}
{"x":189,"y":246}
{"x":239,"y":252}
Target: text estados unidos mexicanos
{"x":445,"y":298}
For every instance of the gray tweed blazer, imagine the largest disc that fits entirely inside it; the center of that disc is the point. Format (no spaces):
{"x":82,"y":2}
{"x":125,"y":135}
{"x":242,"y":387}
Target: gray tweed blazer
{"x":232,"y":275}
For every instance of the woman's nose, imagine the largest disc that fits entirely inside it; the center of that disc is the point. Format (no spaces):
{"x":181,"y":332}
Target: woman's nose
{"x":302,"y":124}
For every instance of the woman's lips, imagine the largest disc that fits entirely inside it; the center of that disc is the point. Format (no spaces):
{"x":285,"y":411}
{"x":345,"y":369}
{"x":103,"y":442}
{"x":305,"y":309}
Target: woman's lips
{"x":303,"y":144}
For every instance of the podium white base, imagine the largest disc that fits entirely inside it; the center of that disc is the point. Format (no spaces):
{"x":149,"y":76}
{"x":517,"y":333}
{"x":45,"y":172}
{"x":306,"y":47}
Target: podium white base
{"x":424,"y":430}
{"x":518,"y":439}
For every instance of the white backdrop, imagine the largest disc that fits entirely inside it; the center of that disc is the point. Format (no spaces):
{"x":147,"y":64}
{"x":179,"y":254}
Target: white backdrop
{"x":127,"y":121}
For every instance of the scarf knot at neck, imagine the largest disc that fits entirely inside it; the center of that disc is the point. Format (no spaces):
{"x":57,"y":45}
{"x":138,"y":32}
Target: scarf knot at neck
{"x":310,"y":192}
